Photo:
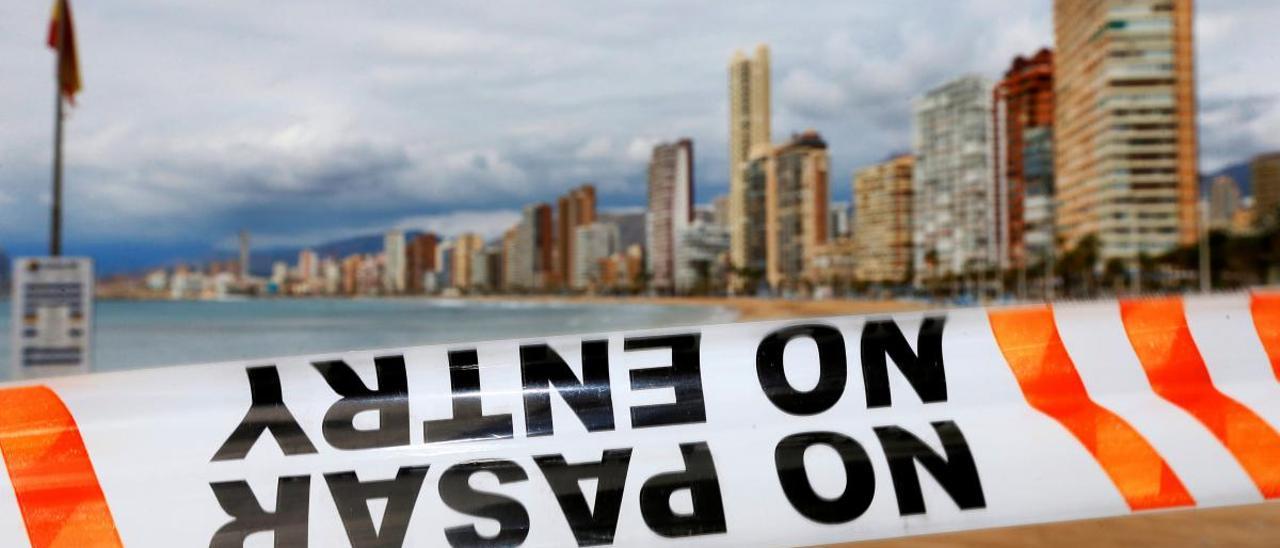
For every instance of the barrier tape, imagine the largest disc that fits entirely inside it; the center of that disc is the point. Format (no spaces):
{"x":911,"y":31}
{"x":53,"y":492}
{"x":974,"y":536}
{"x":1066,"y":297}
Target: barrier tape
{"x":773,"y":433}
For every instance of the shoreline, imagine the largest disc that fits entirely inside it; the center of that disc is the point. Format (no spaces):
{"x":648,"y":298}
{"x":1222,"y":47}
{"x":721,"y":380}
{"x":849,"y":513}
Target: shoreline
{"x":743,"y":309}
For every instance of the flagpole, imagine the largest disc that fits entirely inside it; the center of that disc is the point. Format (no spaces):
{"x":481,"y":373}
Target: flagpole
{"x":55,"y":221}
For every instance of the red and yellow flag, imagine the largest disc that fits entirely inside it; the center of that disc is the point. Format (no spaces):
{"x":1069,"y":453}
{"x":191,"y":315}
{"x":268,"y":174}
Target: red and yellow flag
{"x":62,"y":37}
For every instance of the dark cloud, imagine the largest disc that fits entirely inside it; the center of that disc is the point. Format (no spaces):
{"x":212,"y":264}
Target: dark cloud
{"x":314,"y":119}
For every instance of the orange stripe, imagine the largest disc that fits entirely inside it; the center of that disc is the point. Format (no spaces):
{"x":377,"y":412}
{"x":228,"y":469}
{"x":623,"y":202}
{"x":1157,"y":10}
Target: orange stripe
{"x":1266,"y":320}
{"x":1159,"y":334}
{"x":57,"y":490}
{"x":1030,"y":342}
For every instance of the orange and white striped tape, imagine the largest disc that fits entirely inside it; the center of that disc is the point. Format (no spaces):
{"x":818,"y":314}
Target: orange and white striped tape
{"x":772,"y":433}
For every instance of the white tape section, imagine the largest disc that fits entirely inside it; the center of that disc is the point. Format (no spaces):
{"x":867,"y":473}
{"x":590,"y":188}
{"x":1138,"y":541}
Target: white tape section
{"x":762,"y":434}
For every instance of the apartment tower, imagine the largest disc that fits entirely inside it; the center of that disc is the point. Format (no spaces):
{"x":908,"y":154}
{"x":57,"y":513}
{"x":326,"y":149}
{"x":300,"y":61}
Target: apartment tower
{"x":575,"y":209}
{"x":1125,"y":158}
{"x":796,"y":201}
{"x":882,"y":220}
{"x":670,"y":209}
{"x":953,"y":218}
{"x":749,"y":112}
{"x":1023,"y":153}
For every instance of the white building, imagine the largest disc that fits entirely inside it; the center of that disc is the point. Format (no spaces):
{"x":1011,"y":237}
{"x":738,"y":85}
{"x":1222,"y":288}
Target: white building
{"x":702,"y":244}
{"x":954,"y":214}
{"x":393,"y":280}
{"x":670,"y":209}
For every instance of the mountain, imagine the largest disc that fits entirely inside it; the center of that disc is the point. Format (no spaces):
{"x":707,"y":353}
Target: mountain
{"x":630,"y":227}
{"x":1241,"y":172}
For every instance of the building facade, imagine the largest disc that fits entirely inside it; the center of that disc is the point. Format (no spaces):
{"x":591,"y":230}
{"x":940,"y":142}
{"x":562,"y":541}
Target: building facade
{"x":532,"y":250}
{"x":749,"y":128}
{"x":575,"y":209}
{"x":670,"y":209}
{"x":393,"y":248}
{"x":1265,"y":176}
{"x":465,"y":248}
{"x":796,"y":203}
{"x":1125,"y":158}
{"x":593,"y":243}
{"x":953,"y":217}
{"x":882,"y":221}
{"x":1224,"y":203}
{"x":420,"y":260}
{"x":1023,"y":126}
{"x":701,"y":256}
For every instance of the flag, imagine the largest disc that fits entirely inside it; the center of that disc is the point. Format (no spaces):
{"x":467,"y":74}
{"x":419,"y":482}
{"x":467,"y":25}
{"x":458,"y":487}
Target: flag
{"x":62,"y":38}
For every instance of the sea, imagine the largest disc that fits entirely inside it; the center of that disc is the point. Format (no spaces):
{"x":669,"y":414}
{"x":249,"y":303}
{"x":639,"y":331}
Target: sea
{"x":142,"y":334}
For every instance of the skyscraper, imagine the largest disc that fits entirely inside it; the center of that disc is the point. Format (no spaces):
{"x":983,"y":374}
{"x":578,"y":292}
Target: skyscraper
{"x":531,"y":249}
{"x":1265,"y":176}
{"x":465,"y":248}
{"x":1023,"y":125}
{"x":393,"y":272}
{"x":796,"y":204}
{"x":753,"y":229}
{"x":1125,"y":159}
{"x":953,"y":217}
{"x":575,"y":209}
{"x":421,"y":260}
{"x":670,"y":209}
{"x":749,"y":113}
{"x":882,"y":195}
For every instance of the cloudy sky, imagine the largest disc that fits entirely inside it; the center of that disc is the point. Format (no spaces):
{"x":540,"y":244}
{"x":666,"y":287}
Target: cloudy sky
{"x":306,"y":121}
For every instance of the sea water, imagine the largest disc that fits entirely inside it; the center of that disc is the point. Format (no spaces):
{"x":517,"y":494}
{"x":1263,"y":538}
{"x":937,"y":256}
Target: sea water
{"x":139,"y":334}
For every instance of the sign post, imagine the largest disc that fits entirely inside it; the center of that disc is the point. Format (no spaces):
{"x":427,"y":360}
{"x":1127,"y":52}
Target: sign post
{"x":52,"y":316}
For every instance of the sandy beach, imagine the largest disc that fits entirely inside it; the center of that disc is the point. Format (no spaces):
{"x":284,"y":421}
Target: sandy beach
{"x":747,"y":308}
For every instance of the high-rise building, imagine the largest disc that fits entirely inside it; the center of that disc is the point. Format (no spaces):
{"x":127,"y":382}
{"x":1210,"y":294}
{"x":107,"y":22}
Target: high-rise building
{"x":351,"y":274}
{"x":749,"y":119}
{"x":532,"y":249}
{"x":752,"y":234}
{"x":575,"y":209}
{"x":393,"y":281}
{"x":1265,"y":177}
{"x":882,"y":228}
{"x":1224,"y":202}
{"x":420,"y":261}
{"x":1125,"y":159}
{"x":594,"y":242}
{"x":670,"y":209}
{"x":796,"y":204}
{"x":465,"y":248}
{"x":1023,"y":152}
{"x":308,"y":266}
{"x":953,"y":217}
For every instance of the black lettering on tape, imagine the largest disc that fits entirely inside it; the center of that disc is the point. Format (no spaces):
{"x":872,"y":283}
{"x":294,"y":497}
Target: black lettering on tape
{"x":288,"y":522}
{"x":457,"y":493}
{"x":267,"y":413}
{"x":860,"y":477}
{"x":352,"y":499}
{"x":833,"y":369}
{"x":684,"y":375}
{"x":589,"y":398}
{"x":469,"y":421}
{"x":699,"y":477}
{"x":390,"y":401}
{"x":589,"y":528}
{"x":957,"y":473}
{"x":924,"y":371}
